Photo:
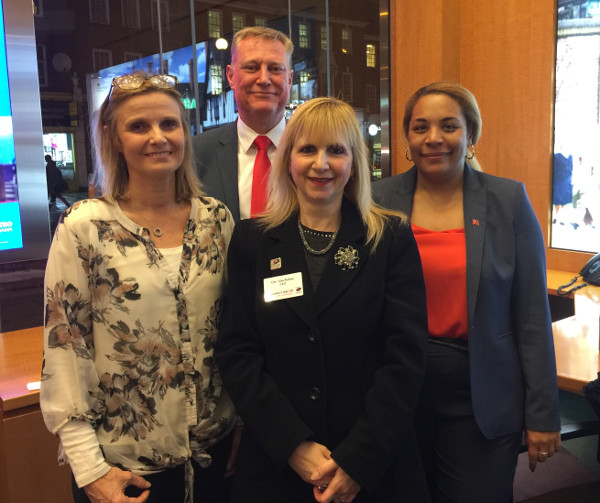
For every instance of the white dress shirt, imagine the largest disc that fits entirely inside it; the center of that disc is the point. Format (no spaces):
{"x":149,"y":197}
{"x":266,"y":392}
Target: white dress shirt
{"x":246,"y":156}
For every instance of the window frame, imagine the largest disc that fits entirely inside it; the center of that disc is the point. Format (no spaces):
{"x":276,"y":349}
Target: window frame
{"x":136,"y":14}
{"x":97,"y":52}
{"x":212,"y":26}
{"x":95,"y":6}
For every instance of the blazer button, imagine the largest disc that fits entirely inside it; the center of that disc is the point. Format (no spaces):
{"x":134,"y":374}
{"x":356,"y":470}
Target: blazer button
{"x":312,"y":337}
{"x":315,"y":395}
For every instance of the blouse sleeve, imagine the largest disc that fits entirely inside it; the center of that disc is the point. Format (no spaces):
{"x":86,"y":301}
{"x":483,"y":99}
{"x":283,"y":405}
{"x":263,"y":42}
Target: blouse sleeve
{"x":69,"y":377}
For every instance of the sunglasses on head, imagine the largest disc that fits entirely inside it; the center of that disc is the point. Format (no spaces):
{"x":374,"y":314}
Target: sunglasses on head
{"x":131,"y":82}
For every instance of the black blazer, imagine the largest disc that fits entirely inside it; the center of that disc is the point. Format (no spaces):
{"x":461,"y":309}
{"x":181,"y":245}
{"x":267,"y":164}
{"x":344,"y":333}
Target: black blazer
{"x":342,"y":366}
{"x":216,"y":154}
{"x":511,"y":349}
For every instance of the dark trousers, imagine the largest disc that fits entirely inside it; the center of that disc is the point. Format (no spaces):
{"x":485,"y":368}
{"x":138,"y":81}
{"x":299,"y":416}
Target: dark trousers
{"x":461,"y":464}
{"x":168,"y":486}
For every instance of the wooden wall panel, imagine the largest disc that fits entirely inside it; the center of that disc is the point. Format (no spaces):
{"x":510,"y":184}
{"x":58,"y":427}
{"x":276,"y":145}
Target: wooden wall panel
{"x":504,"y":53}
{"x":424,"y":48}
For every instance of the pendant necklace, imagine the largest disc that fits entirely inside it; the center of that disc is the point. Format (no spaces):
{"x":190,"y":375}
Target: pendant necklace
{"x":157,"y":230}
{"x":312,"y":251}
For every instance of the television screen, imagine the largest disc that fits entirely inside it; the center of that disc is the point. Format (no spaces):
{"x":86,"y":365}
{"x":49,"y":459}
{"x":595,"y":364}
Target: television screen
{"x":24,"y":216}
{"x":10,"y":217}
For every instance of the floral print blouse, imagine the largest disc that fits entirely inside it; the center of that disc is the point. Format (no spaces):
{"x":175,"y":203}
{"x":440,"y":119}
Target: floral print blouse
{"x":127,"y":349}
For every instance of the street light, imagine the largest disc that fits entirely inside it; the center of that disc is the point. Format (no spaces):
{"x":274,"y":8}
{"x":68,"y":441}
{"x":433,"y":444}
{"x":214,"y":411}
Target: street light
{"x":221,"y":44}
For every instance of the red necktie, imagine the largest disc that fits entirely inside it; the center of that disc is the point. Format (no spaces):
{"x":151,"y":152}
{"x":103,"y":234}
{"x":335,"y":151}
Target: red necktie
{"x":260,"y":176}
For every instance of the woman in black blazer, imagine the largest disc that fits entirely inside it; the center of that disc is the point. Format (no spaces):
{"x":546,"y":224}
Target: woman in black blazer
{"x":322,"y":340}
{"x":491,"y":373}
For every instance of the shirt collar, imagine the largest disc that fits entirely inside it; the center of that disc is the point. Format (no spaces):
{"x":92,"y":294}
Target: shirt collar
{"x":246,"y":134}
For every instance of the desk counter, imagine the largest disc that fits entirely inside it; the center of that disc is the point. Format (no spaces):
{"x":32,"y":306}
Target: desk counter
{"x":20,"y":364}
{"x":29,"y":471}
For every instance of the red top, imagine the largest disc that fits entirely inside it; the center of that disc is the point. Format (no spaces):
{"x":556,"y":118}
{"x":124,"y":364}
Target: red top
{"x":444,"y":260}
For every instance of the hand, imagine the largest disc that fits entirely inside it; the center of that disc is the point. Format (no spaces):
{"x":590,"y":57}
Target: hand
{"x":110,"y":488}
{"x":541,"y":445}
{"x":306,"y":458}
{"x":235,"y":445}
{"x":341,"y":489}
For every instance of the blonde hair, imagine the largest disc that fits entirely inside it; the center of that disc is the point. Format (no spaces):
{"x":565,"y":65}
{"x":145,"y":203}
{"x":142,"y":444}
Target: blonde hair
{"x":466,"y":101}
{"x":262,"y":32}
{"x":331,"y":119}
{"x":110,"y":163}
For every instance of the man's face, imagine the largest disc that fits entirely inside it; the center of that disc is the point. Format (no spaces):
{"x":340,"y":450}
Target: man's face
{"x":261,"y":78}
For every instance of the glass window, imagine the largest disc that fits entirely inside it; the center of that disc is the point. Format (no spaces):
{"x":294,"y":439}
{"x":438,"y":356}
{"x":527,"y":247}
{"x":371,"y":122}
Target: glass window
{"x":576,"y":160}
{"x":99,"y":12}
{"x":237,"y":21}
{"x":346,"y":41}
{"x":102,"y":58}
{"x":214,"y":24}
{"x":216,"y":79}
{"x":131,"y":13}
{"x":347,"y":87}
{"x":303,"y":35}
{"x":370,"y":55}
{"x":42,"y":65}
{"x":114,"y":50}
{"x":323,"y":38}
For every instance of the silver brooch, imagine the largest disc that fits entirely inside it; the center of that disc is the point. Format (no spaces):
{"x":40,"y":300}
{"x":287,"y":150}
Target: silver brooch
{"x":346,"y":258}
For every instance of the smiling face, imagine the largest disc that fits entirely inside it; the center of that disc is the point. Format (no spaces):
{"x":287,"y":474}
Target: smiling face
{"x":150,"y":135}
{"x":261,"y":78}
{"x":320,"y":169}
{"x":437,"y":136}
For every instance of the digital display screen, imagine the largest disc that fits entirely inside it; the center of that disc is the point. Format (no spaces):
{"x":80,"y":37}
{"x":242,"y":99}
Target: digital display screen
{"x":10,"y":216}
{"x":176,"y":62}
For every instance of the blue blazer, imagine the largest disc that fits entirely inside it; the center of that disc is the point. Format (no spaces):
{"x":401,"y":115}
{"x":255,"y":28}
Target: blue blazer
{"x":216,"y":154}
{"x":342,"y":365}
{"x":511,"y":349}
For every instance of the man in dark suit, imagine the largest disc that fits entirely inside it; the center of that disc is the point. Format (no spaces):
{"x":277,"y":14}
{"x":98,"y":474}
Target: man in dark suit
{"x":260,"y":75}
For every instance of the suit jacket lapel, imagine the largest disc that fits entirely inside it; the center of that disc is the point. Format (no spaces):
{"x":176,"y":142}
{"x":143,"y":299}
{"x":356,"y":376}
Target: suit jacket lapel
{"x":401,"y":198}
{"x":335,"y":280}
{"x":474,"y":207}
{"x":288,"y":247}
{"x":227,"y":167}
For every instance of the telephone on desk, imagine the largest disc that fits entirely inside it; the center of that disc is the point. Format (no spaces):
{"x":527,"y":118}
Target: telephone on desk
{"x":590,"y":274}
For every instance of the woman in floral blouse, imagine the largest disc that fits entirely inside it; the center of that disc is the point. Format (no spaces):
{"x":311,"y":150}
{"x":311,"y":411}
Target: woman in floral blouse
{"x":134,"y":285}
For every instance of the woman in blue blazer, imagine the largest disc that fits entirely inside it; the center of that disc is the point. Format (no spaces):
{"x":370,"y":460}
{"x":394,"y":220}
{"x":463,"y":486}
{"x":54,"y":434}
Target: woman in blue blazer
{"x":491,"y":373}
{"x":324,"y":327}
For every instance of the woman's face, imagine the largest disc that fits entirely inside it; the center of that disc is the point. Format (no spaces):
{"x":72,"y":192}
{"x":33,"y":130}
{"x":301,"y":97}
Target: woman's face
{"x":320,"y":169}
{"x":150,"y":134}
{"x":438,"y":137}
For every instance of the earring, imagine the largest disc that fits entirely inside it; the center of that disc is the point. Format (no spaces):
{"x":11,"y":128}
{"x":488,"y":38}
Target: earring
{"x":408,"y":158}
{"x":472,"y":153}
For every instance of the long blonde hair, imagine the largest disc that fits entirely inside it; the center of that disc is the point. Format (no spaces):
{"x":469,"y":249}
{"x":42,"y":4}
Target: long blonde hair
{"x":110,"y":163}
{"x":331,"y":119}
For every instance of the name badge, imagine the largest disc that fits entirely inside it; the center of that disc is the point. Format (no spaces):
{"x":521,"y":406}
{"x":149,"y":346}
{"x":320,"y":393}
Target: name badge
{"x":283,"y":287}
